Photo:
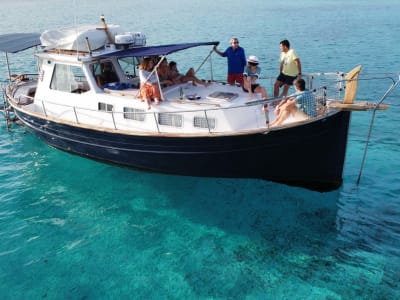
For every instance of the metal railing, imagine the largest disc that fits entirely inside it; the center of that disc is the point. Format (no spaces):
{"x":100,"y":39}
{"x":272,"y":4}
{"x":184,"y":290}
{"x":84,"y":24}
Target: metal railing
{"x":331,"y":86}
{"x":117,"y":119}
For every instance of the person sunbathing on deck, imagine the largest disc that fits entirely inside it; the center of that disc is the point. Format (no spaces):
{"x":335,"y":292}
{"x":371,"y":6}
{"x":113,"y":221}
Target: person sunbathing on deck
{"x":176,"y":77}
{"x":164,"y":74}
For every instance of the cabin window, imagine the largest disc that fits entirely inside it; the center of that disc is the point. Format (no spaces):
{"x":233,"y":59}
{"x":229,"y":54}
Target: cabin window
{"x":70,"y":79}
{"x":202,"y":122}
{"x":170,"y":120}
{"x":134,"y":114}
{"x":104,"y":72}
{"x":105,"y":107}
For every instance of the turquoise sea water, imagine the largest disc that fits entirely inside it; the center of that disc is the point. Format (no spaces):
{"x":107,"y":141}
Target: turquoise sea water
{"x":71,"y":228}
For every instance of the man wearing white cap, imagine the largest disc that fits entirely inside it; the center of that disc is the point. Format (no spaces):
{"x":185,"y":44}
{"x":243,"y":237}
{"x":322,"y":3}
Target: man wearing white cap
{"x":251,"y":74}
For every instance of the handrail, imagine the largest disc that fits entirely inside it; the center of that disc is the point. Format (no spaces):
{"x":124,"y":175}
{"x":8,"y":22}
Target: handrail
{"x":208,"y":123}
{"x":76,"y":115}
{"x":321,"y":97}
{"x":206,"y":112}
{"x":76,"y":111}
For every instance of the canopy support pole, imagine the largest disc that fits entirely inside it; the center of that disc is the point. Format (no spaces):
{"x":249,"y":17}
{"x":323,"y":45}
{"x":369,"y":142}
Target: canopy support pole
{"x":205,"y":59}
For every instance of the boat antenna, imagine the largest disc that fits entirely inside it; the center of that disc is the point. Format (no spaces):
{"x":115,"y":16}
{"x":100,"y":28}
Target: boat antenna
{"x":391,"y":88}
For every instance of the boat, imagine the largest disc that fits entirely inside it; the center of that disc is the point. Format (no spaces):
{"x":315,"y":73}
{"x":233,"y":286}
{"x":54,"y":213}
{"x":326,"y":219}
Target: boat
{"x":210,"y":130}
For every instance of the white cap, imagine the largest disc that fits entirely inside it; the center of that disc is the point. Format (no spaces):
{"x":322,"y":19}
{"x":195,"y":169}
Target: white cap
{"x":253,"y":59}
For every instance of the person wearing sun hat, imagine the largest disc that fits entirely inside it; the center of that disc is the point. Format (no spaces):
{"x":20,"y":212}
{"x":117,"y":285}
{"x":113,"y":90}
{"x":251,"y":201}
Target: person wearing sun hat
{"x":251,"y":74}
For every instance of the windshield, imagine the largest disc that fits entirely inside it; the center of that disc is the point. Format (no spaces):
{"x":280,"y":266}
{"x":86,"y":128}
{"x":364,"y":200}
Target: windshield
{"x":130,"y":65}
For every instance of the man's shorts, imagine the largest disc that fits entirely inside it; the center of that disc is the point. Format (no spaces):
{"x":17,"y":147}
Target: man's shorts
{"x":253,"y":87}
{"x":238,"y":77}
{"x":286,"y":79}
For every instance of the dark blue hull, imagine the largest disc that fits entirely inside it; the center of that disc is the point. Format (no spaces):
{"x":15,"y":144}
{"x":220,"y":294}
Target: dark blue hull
{"x":311,"y":155}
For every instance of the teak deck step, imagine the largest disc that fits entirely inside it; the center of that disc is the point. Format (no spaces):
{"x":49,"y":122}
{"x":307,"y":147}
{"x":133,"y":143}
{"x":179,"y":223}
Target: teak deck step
{"x":359,"y":105}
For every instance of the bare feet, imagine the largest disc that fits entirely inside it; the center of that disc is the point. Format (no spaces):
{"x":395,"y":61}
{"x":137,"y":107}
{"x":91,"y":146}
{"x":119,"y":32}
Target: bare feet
{"x":205,"y":82}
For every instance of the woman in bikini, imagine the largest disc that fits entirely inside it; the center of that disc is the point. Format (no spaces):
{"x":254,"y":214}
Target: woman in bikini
{"x":176,"y":77}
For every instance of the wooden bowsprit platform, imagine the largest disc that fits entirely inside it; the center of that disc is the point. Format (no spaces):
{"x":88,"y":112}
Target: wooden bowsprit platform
{"x":348,"y":102}
{"x":357,"y":106}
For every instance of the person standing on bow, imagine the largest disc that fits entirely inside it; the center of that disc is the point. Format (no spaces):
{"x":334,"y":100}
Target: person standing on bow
{"x":236,"y":61}
{"x":290,"y":69}
{"x":251,"y":74}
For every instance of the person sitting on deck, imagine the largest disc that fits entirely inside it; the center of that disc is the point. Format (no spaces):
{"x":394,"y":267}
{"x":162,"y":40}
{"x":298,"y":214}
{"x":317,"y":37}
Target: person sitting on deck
{"x":176,"y":77}
{"x":164,"y":74}
{"x":251,"y":74}
{"x":301,"y":105}
{"x":149,"y":88}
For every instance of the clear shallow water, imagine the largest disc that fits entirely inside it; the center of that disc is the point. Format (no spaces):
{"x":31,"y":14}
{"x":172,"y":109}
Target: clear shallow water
{"x":77,"y":229}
